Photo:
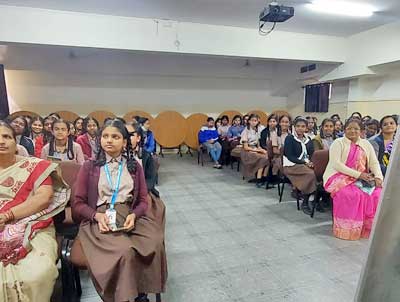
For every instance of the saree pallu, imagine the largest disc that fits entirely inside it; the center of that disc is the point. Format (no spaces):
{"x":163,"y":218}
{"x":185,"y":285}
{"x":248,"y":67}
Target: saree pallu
{"x":353,"y":209}
{"x":121,"y":264}
{"x":28,"y":250}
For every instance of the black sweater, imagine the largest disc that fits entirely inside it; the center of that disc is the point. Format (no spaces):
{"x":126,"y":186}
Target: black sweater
{"x":150,"y":172}
{"x":292,"y":149}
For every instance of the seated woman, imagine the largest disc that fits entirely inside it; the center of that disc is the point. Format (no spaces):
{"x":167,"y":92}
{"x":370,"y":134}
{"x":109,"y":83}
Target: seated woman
{"x":156,"y":210}
{"x":354,"y":179}
{"x":78,"y":125}
{"x":148,"y":136}
{"x":326,"y":135}
{"x":372,"y":127}
{"x":297,"y":165}
{"x":268,"y":131}
{"x":235,"y":131}
{"x":88,"y":140}
{"x":208,"y":137}
{"x":28,"y":248}
{"x":20,"y":126}
{"x":278,"y":141}
{"x":311,"y":131}
{"x":223,"y":140}
{"x":119,"y":242}
{"x":339,"y":128}
{"x":62,"y":145}
{"x":383,"y":143}
{"x":36,"y":134}
{"x":254,"y":158}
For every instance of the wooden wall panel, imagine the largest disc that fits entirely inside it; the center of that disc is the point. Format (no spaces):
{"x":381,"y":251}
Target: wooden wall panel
{"x":169,"y":129}
{"x":68,"y":115}
{"x":263,"y":116}
{"x":194,"y":123}
{"x":101,"y":116}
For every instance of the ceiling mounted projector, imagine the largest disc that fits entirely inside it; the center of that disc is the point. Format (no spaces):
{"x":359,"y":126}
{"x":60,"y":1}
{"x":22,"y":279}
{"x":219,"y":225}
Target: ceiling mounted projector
{"x":276,"y":13}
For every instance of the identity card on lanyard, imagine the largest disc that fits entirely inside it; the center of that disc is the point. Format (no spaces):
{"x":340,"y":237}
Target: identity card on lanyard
{"x":111,"y":212}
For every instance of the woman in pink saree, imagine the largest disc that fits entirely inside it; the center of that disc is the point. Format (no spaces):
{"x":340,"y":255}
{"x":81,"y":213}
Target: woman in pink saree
{"x":354,"y":179}
{"x":31,"y":193}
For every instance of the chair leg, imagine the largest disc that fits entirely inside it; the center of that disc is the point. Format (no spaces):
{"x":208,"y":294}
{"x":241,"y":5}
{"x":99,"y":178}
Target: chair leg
{"x":158,"y":297}
{"x":238,"y":165}
{"x":77,"y":282}
{"x":316,"y":200}
{"x":281,"y":187}
{"x":298,"y":200}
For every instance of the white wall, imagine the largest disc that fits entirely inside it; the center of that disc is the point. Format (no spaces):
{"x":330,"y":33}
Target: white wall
{"x":44,"y":92}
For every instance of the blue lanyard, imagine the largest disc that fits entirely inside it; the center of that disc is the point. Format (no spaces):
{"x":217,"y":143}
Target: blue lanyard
{"x":116,"y":188}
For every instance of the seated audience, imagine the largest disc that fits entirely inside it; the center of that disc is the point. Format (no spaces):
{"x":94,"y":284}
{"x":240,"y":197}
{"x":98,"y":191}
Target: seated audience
{"x":72,"y":131}
{"x":37,"y":135}
{"x":268,"y":131}
{"x":235,"y":131}
{"x":326,"y":135}
{"x":62,"y":146}
{"x":278,"y":141}
{"x":148,"y":136}
{"x":383,"y":143}
{"x":119,"y":243}
{"x":365,"y":119}
{"x":20,"y":126}
{"x":48,"y":124}
{"x":78,"y":124}
{"x":88,"y":140}
{"x":372,"y":128}
{"x":356,"y":115}
{"x":218,"y":123}
{"x":311,"y":127}
{"x":208,"y":137}
{"x":254,"y":158}
{"x":335,"y":117}
{"x":339,"y":128}
{"x":354,"y":179}
{"x":223,"y":140}
{"x":297,"y":165}
{"x":31,"y":194}
{"x":245,"y":120}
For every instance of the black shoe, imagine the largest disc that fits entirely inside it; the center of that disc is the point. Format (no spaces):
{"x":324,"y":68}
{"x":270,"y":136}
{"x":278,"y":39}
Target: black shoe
{"x":319,"y":207}
{"x":305,"y":206}
{"x":142,"y":298}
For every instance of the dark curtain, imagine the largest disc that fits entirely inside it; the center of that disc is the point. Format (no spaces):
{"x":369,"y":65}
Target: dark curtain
{"x":317,"y":97}
{"x":4,"y":109}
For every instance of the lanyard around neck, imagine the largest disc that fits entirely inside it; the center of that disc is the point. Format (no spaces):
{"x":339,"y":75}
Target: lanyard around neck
{"x":116,"y":188}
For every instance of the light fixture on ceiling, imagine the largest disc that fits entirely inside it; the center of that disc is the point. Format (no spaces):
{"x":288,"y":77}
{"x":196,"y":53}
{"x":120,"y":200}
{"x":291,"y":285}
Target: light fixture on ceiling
{"x":341,"y":7}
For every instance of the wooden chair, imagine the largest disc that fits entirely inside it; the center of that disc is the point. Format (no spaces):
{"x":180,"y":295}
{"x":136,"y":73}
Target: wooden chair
{"x":320,"y":160}
{"x":66,"y":231}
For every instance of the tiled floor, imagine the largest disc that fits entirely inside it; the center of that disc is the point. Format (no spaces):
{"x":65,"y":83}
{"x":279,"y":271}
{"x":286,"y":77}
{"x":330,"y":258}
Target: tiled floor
{"x":228,"y":241}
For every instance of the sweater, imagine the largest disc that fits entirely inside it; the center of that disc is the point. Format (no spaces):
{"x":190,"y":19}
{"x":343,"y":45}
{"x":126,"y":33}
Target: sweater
{"x":292,"y":151}
{"x":84,"y":203}
{"x":338,"y":154}
{"x":235,"y":131}
{"x":83,"y":140}
{"x":206,"y":134}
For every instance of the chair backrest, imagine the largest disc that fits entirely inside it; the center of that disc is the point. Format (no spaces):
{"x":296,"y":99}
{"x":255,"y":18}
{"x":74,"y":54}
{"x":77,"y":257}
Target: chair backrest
{"x":69,"y":171}
{"x":320,"y":160}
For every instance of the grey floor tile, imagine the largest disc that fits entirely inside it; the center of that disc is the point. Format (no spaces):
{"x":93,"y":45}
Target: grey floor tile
{"x":229,"y":241}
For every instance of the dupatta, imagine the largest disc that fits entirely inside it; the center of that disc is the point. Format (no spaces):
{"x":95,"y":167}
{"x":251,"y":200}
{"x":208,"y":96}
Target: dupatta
{"x":17,"y":184}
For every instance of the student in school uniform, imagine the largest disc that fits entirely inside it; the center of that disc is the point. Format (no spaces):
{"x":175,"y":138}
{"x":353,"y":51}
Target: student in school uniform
{"x":311,"y":127}
{"x":88,"y":140}
{"x":224,"y":141}
{"x":62,"y":146}
{"x":20,"y":126}
{"x":297,"y":165}
{"x":254,"y":158}
{"x":278,"y":141}
{"x":148,"y":136}
{"x":119,"y":242}
{"x":268,"y":131}
{"x":208,"y":137}
{"x":235,"y":131}
{"x":78,"y":124}
{"x":326,"y":136}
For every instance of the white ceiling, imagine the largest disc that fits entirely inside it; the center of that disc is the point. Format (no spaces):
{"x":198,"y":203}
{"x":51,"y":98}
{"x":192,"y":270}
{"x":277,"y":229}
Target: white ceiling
{"x":241,"y":13}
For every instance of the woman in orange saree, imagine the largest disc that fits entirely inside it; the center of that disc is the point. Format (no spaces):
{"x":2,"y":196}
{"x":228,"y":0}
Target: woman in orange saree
{"x":31,"y":193}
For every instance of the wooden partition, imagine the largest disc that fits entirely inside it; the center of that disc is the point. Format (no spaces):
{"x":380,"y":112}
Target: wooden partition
{"x":129,"y":116}
{"x":18,"y":113}
{"x":263,"y":116}
{"x":194,"y":123}
{"x":100,"y":116}
{"x":68,"y":115}
{"x":169,"y":129}
{"x":230,"y":114}
{"x":279,"y":113}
